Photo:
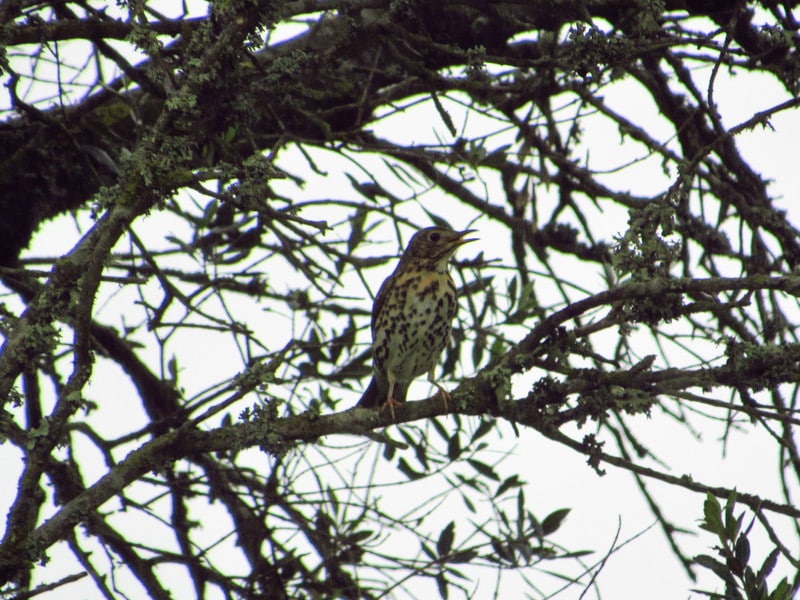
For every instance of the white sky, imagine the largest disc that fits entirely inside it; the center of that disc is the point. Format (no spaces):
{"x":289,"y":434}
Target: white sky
{"x":556,"y":477}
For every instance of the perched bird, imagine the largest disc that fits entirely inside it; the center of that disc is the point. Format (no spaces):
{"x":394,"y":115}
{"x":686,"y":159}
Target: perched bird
{"x":411,"y":317}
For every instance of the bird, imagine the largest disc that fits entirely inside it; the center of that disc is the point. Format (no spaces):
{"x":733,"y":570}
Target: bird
{"x":412,"y":316}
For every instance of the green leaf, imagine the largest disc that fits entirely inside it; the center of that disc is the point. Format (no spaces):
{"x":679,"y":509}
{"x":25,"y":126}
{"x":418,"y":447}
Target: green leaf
{"x":768,"y":566}
{"x":426,"y":549}
{"x":512,"y":292}
{"x":553,"y":521}
{"x":498,"y":348}
{"x":533,"y":524}
{"x":500,"y":550}
{"x":478,"y":348}
{"x":406,"y":435}
{"x":751,"y":587}
{"x":709,"y":562}
{"x":209,"y":213}
{"x":470,"y":506}
{"x":445,"y":543}
{"x":471,"y":482}
{"x":454,"y":447}
{"x":441,"y":582}
{"x":712,"y":515}
{"x":360,"y":536}
{"x":526,"y":300}
{"x":742,"y":550}
{"x":172,"y":368}
{"x":504,"y":518}
{"x":782,"y":591}
{"x":407,"y":470}
{"x":525,"y":550}
{"x":389,"y":451}
{"x":465,"y":556}
{"x":419,"y":452}
{"x":732,"y":524}
{"x":510,"y":482}
{"x":497,"y":157}
{"x":457,"y":573}
{"x":485,"y":426}
{"x":440,"y":429}
{"x":356,"y":230}
{"x":229,"y":134}
{"x":483,"y":469}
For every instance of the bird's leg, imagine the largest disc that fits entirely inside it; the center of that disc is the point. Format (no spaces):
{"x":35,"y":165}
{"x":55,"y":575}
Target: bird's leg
{"x":390,"y":401}
{"x":445,"y":394}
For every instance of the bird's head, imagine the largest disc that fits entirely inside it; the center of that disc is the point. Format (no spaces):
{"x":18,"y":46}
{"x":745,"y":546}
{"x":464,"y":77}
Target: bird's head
{"x":433,"y":246}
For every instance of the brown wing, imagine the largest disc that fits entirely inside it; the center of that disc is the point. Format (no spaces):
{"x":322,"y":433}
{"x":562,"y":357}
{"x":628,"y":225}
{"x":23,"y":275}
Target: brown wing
{"x":380,"y":299}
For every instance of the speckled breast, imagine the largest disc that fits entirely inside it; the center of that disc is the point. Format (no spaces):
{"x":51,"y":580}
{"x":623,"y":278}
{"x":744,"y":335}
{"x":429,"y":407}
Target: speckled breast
{"x":413,"y":326}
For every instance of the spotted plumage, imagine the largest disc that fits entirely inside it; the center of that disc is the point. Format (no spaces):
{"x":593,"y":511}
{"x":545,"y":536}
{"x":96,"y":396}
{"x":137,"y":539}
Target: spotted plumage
{"x":411,"y":317}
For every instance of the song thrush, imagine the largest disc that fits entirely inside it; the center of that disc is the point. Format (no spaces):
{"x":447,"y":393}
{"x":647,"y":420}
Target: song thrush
{"x":411,"y":317}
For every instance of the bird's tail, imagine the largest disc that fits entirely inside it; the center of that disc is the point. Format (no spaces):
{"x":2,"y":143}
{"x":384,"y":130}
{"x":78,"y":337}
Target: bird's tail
{"x":371,"y":396}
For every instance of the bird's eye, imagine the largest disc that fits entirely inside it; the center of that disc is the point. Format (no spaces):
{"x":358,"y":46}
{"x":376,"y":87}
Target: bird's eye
{"x":435,"y":236}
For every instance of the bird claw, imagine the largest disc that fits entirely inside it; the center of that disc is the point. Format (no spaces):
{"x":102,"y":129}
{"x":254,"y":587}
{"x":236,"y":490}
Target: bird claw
{"x":446,"y":397}
{"x":390,"y":403}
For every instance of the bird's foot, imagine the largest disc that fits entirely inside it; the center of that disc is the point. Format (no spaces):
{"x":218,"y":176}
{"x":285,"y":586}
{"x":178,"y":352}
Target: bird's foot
{"x":390,"y":404}
{"x":446,"y":397}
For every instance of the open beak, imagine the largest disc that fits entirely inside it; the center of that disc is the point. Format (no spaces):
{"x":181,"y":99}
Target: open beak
{"x":460,"y":239}
{"x":454,"y":243}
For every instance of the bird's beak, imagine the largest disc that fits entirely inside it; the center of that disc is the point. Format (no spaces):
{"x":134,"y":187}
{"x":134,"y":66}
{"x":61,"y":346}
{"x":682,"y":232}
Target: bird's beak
{"x":458,"y":241}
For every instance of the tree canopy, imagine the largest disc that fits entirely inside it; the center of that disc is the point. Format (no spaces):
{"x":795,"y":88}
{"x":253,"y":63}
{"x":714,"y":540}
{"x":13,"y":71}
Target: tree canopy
{"x":199,"y":201}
